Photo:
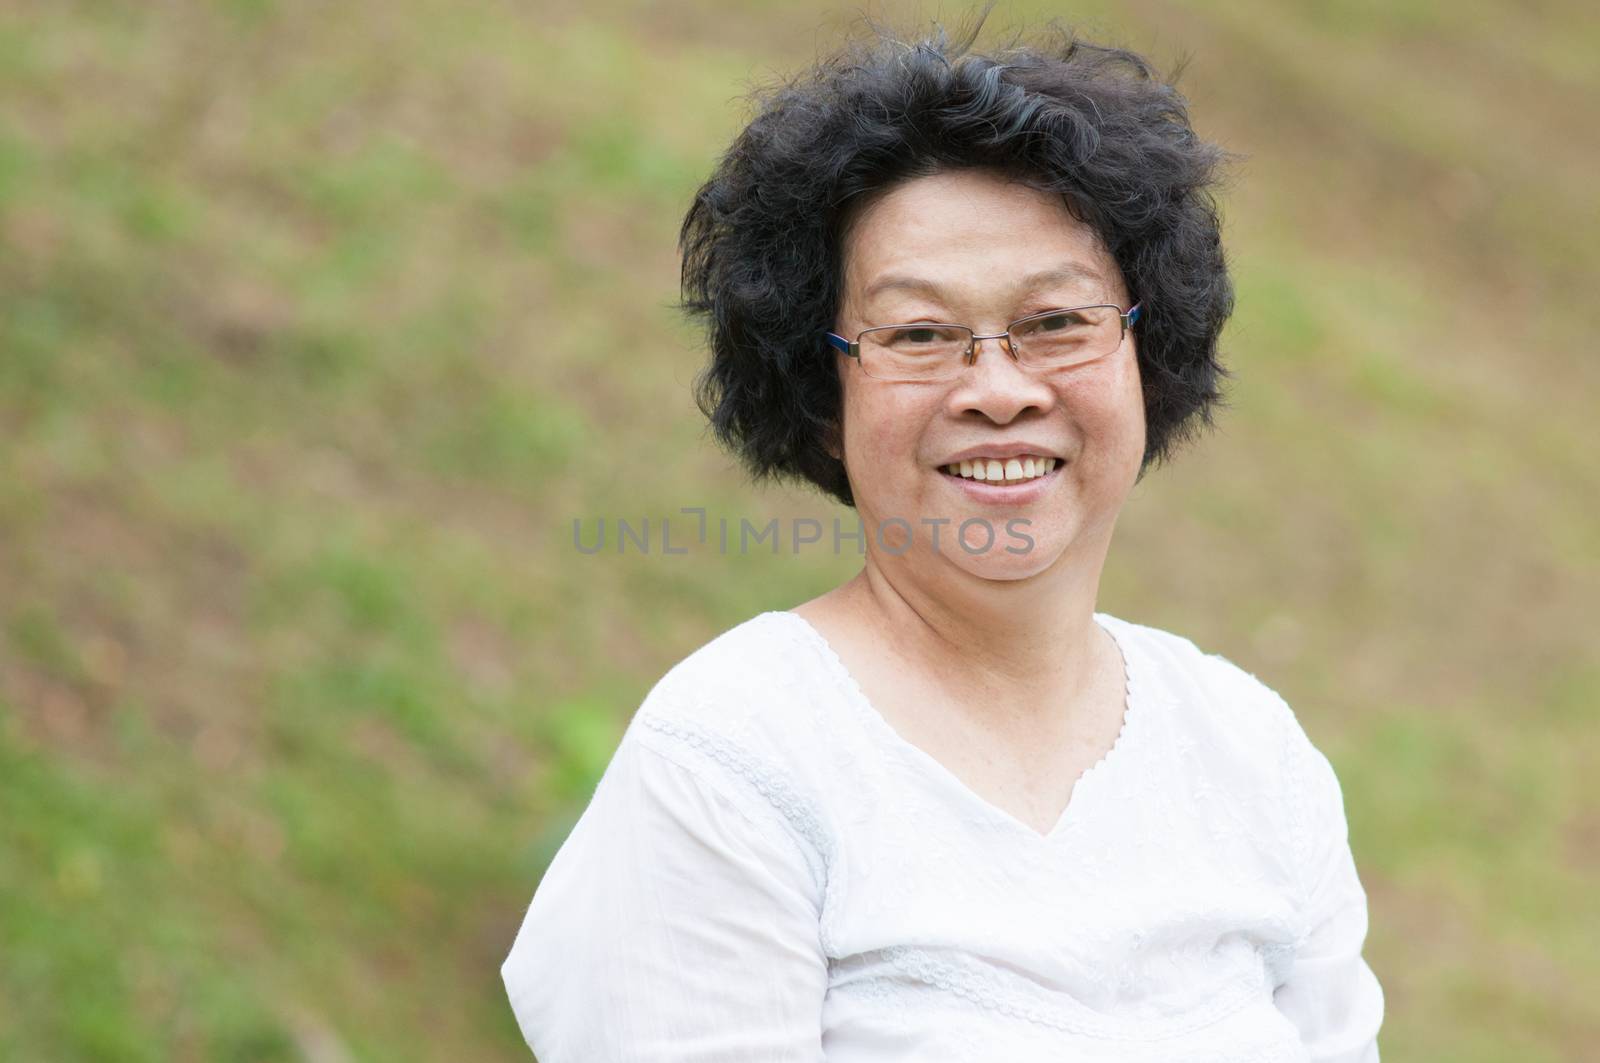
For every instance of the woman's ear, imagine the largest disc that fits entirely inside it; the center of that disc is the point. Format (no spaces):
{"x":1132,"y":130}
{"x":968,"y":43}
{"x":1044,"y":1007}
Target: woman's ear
{"x":833,"y":442}
{"x":833,"y":434}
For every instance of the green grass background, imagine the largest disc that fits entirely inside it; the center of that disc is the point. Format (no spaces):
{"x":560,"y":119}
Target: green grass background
{"x":319,"y":324}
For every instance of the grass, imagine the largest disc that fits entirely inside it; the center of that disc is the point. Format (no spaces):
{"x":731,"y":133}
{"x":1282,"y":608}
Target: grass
{"x":316,"y":335}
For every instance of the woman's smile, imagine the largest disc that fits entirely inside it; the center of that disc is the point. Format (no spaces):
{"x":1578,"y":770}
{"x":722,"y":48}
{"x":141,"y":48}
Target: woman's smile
{"x":1003,"y":481}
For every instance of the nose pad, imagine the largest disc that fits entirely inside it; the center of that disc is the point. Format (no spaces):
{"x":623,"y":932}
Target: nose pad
{"x":1004,"y":342}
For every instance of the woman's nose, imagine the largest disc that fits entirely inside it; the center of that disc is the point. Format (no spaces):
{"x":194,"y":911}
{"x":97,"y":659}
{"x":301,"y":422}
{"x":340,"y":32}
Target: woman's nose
{"x":997,"y":385}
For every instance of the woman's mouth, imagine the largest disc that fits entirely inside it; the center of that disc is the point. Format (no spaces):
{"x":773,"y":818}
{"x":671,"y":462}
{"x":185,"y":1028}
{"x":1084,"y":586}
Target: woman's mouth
{"x":1006,"y":482}
{"x":1001,"y":470}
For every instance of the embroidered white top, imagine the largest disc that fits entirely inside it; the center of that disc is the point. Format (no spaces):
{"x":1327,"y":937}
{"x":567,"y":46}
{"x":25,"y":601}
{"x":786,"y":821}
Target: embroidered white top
{"x":767,"y":871}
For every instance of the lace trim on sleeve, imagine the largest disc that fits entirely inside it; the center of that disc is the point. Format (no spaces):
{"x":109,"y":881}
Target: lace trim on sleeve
{"x":1295,"y":777}
{"x":775,"y":786}
{"x":989,"y":989}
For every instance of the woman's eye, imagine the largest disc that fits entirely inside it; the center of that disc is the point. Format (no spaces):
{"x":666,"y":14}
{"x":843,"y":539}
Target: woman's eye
{"x":1056,"y":322}
{"x":916,"y":336}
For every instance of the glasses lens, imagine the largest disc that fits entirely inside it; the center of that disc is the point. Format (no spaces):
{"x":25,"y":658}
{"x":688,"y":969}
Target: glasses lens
{"x":1068,"y":336}
{"x":913,"y":352}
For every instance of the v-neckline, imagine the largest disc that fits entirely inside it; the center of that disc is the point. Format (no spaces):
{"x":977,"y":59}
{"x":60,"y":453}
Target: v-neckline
{"x":1133,"y":711}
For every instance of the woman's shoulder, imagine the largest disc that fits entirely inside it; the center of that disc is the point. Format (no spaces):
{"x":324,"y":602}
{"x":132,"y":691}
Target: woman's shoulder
{"x":1180,"y":660}
{"x":1234,"y":708}
{"x":743,"y":712}
{"x":749,"y":674}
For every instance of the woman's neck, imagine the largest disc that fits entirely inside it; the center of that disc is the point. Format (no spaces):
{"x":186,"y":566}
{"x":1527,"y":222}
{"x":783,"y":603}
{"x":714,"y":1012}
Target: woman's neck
{"x":1031,"y":642}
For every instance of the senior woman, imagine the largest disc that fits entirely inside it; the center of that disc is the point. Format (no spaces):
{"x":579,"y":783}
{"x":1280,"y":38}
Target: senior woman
{"x":949,"y":810}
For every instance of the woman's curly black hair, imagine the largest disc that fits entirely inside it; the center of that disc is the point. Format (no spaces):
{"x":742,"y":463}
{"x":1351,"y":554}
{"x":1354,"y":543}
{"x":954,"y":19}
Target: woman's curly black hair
{"x":762,"y":242}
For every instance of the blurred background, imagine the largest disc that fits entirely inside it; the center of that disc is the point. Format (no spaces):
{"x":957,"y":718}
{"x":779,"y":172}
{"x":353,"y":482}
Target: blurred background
{"x":320,"y":324}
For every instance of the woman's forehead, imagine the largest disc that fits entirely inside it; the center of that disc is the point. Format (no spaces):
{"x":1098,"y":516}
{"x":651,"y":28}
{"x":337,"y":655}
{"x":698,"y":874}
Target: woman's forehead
{"x":1069,"y":275}
{"x":955,"y":228}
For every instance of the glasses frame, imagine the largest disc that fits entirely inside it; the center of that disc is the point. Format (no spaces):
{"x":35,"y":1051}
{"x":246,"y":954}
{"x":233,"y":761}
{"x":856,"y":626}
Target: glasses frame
{"x":853,"y":349}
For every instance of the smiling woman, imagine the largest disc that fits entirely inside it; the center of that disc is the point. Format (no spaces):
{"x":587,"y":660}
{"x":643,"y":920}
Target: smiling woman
{"x":951,"y":810}
{"x":909,"y":414}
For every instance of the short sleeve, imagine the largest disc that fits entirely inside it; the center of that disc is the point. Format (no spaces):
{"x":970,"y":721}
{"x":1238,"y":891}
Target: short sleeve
{"x":1332,"y":996}
{"x":677,"y":922}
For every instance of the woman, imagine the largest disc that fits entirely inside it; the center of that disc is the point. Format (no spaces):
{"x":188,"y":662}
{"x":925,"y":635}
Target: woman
{"x":948,"y":810}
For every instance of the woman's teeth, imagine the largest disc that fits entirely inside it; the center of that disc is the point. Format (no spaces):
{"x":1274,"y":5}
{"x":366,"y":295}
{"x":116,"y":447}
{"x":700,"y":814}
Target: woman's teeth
{"x":1009,"y":471}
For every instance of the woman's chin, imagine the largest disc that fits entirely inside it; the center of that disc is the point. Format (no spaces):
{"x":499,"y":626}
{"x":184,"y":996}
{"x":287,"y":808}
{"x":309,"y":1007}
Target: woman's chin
{"x":1016,"y":559}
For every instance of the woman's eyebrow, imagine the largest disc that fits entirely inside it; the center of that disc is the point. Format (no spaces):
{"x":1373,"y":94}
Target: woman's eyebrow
{"x":1070,"y":271}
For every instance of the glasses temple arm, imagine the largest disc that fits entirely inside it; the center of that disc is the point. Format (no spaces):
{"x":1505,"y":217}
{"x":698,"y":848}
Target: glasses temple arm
{"x":838,"y":342}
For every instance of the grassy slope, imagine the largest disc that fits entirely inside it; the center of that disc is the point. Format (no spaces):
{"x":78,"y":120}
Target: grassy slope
{"x":315,"y":335}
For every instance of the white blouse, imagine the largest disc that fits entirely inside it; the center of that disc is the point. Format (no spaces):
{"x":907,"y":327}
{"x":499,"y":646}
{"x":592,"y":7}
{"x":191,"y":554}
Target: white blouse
{"x":769,"y":871}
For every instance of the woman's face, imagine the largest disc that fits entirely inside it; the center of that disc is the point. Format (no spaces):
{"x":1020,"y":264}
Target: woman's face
{"x":970,"y":248}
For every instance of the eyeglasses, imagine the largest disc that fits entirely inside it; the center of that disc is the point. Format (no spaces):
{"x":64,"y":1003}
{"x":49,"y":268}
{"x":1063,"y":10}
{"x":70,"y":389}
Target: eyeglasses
{"x":1053,"y":339}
